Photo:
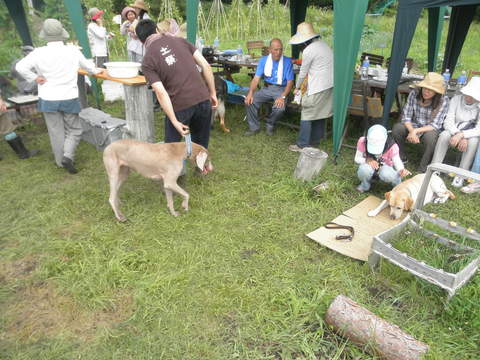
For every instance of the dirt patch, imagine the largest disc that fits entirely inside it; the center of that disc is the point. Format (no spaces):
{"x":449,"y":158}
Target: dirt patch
{"x":248,"y":253}
{"x":40,"y":312}
{"x":17,"y":269}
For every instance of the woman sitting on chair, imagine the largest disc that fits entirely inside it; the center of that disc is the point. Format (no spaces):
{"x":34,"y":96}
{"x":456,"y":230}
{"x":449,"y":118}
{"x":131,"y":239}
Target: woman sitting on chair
{"x":462,"y":129}
{"x":422,"y":117}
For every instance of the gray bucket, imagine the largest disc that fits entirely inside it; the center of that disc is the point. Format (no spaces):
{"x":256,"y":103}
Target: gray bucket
{"x":310,"y":163}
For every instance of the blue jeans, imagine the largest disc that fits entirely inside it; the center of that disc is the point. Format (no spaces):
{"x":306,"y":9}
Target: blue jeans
{"x":311,"y":131}
{"x":385,"y":173}
{"x":476,"y":162}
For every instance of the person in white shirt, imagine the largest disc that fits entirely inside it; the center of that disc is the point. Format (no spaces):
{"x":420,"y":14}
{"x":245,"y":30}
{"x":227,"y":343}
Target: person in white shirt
{"x":317,"y":71}
{"x":135,"y":47}
{"x":98,"y":37}
{"x":461,"y":127}
{"x":56,"y":66}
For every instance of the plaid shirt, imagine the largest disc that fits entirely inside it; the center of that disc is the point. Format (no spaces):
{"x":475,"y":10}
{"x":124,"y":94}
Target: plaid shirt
{"x":419,"y":115}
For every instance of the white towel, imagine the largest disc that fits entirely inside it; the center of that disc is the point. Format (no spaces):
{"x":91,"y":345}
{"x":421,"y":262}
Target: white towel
{"x":269,"y":66}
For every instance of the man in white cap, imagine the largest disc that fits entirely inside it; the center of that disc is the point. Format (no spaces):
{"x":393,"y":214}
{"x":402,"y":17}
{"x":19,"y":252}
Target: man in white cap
{"x":317,"y":100}
{"x":378,"y":155}
{"x":277,"y":73}
{"x":462,"y":128}
{"x":57,"y":65}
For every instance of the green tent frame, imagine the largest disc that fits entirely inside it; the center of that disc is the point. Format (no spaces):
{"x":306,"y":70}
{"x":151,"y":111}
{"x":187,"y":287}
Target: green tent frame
{"x":349,"y":19}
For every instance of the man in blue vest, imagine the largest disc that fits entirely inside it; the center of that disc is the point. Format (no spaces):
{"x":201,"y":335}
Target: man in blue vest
{"x":277,"y":73}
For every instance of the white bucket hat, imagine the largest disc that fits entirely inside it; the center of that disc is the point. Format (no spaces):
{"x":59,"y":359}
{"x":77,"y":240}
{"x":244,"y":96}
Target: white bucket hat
{"x":304,"y":33}
{"x":376,"y":139}
{"x":472,"y":88}
{"x":52,"y":30}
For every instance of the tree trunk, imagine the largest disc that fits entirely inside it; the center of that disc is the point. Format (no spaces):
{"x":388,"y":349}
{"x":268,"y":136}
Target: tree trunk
{"x":139,"y":112}
{"x":378,"y":336}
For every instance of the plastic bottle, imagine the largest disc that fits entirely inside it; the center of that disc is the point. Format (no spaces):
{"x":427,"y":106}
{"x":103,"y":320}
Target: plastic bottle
{"x":446,"y":76}
{"x":239,"y":50}
{"x":405,"y":69}
{"x":462,"y":80}
{"x":216,"y":43}
{"x":364,"y":69}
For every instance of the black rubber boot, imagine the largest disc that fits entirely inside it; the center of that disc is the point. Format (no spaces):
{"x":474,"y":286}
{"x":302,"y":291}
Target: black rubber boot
{"x":67,"y":163}
{"x":20,"y":149}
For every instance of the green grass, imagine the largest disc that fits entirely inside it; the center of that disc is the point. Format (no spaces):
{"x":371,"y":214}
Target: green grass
{"x":235,"y":277}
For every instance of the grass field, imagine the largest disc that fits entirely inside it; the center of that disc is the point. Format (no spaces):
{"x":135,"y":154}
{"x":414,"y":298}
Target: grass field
{"x":234,"y":278}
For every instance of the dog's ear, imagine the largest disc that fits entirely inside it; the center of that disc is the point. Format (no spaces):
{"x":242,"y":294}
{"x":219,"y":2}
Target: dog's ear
{"x":409,"y":202}
{"x":387,"y":196}
{"x":200,"y":159}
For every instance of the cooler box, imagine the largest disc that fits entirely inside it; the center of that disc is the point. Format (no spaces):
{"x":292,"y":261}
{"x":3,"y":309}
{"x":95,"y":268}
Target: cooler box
{"x":99,"y":128}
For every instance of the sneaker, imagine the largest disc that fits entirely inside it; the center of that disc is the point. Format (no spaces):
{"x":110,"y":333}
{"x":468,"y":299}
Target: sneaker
{"x":457,"y":182}
{"x":269,"y":132}
{"x":360,"y":189}
{"x":67,"y":163}
{"x":294,"y":148}
{"x":471,"y":188}
{"x":251,"y":132}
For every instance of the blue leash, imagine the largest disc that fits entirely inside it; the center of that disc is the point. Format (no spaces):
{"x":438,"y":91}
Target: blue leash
{"x":188,"y":141}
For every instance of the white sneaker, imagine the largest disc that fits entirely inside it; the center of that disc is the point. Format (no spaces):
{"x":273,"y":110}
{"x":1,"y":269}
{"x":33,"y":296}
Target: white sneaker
{"x":471,"y":188}
{"x":457,"y":182}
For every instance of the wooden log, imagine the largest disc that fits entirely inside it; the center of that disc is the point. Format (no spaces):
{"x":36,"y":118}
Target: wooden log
{"x":139,"y":112}
{"x":363,"y":327}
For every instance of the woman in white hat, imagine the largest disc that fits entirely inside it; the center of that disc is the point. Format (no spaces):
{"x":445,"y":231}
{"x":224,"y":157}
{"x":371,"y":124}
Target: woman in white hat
{"x":135,"y":47}
{"x":462,"y":128}
{"x":56,"y":66}
{"x":317,"y":102}
{"x":422,"y":117}
{"x":378,"y":156}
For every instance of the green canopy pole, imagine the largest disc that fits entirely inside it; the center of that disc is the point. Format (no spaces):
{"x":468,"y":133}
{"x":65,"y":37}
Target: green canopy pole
{"x":192,"y":13}
{"x":460,"y":20}
{"x":76,"y":17}
{"x":298,"y":11}
{"x":435,"y":27}
{"x":348,"y":20}
{"x":17,"y":12}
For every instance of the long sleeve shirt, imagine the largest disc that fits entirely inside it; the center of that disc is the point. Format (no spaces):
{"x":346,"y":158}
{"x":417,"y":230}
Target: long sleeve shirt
{"x":317,"y":63}
{"x":133,"y":44}
{"x":391,"y":157}
{"x":462,"y":117}
{"x":419,"y":115}
{"x":58,"y":64}
{"x":97,"y":37}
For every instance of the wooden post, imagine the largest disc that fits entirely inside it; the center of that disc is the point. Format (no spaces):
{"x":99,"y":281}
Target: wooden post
{"x":139,"y":112}
{"x":362,"y":327}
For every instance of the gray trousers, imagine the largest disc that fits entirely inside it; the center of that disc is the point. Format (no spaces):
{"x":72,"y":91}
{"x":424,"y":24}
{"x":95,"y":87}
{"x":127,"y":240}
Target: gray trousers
{"x":442,"y":147}
{"x":266,"y":94}
{"x":65,"y":131}
{"x":429,"y":138}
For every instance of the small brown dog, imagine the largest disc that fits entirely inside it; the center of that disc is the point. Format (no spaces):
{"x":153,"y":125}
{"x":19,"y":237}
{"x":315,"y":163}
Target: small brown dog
{"x":153,"y":161}
{"x":219,"y":112}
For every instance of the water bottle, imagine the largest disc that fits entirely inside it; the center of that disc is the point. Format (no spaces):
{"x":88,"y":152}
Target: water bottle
{"x":446,"y":76}
{"x":239,"y":50}
{"x":462,"y":80}
{"x":405,"y":69}
{"x":216,"y":43}
{"x":364,"y":69}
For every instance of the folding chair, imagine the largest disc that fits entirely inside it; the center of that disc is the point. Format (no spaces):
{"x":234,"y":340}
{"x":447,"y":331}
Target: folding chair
{"x":256,"y":45}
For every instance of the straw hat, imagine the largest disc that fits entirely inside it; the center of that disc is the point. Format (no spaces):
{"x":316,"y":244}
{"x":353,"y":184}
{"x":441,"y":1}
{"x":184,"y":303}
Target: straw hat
{"x":52,"y":30}
{"x":126,"y":10}
{"x":182,"y":31}
{"x":472,"y":88}
{"x":304,"y":33}
{"x":140,"y":4}
{"x":433,"y":81}
{"x":95,"y":13}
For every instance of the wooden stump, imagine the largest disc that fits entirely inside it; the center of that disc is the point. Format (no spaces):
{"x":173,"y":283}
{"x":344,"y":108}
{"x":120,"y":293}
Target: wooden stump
{"x":139,"y":112}
{"x":365,"y":328}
